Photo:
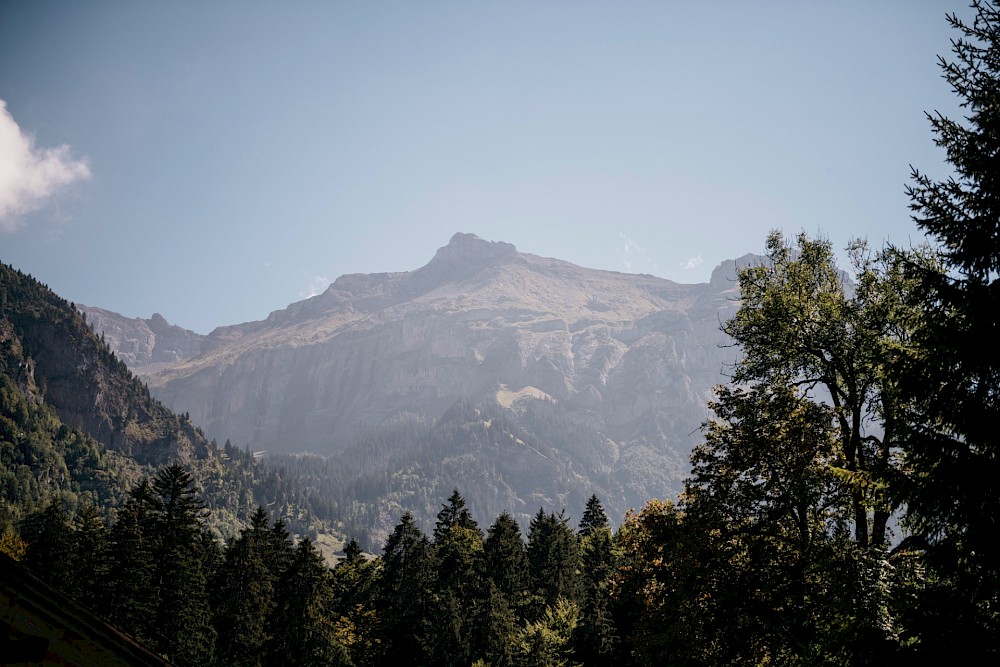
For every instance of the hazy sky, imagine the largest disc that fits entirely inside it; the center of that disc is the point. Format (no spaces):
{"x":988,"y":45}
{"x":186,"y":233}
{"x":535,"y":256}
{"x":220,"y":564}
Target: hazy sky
{"x":216,"y":161}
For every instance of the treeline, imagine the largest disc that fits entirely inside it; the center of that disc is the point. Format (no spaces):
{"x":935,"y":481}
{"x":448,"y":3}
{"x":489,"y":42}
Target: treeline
{"x":453,"y":598}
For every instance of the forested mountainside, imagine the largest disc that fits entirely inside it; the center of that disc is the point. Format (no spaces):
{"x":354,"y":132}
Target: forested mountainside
{"x":77,"y":426}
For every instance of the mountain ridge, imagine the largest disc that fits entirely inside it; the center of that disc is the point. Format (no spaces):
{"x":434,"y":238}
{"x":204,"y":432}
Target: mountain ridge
{"x":626,"y":362}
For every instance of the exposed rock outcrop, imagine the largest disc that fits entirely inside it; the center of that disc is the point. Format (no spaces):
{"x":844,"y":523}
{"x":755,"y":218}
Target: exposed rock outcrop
{"x":630,"y":359}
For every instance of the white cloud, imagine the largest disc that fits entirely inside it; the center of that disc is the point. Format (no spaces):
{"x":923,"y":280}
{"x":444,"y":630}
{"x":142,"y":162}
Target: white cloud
{"x":692,"y":263}
{"x":629,"y":253}
{"x":30,"y":176}
{"x":316,"y":286}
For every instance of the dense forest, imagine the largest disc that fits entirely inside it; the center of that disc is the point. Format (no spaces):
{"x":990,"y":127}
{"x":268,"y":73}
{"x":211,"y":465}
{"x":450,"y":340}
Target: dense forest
{"x":841,"y":509}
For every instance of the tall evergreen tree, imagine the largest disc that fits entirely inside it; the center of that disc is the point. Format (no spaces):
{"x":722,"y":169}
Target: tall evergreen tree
{"x":245,"y":599}
{"x":453,"y":513}
{"x":951,"y":372}
{"x":90,"y":560}
{"x":594,"y":517}
{"x":554,"y":558}
{"x":183,"y":615}
{"x":133,"y":587}
{"x":506,"y":561}
{"x":595,"y":637}
{"x":49,"y":541}
{"x":408,"y":577}
{"x":301,"y":632}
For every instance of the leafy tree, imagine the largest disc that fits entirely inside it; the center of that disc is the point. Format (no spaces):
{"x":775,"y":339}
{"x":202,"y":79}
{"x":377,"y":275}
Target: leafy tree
{"x":547,"y":641}
{"x":951,"y":371}
{"x":799,"y":325}
{"x":764,"y":495}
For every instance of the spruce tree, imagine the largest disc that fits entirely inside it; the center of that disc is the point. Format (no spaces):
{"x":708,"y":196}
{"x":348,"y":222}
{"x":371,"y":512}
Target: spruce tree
{"x":453,"y":513}
{"x":506,"y":561}
{"x":133,"y":588}
{"x":245,"y":598}
{"x":300,"y":629}
{"x":49,"y":538}
{"x":90,"y":562}
{"x":554,"y":558}
{"x":408,"y":577}
{"x":951,"y":372}
{"x":183,"y":616}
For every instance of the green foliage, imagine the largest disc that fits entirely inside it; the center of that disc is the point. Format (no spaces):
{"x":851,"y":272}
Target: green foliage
{"x":301,"y":632}
{"x":547,"y":641}
{"x":554,"y":559}
{"x":950,"y":372}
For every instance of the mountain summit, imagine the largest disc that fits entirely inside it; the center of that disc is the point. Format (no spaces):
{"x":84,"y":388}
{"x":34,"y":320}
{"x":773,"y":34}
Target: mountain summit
{"x":603,"y":377}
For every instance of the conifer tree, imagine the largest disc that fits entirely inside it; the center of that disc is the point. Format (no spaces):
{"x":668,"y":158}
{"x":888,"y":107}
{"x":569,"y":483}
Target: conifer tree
{"x":245,"y":598}
{"x":594,"y":517}
{"x":301,"y":632}
{"x":595,"y":637}
{"x":183,"y":615}
{"x":48,"y":536}
{"x":408,"y":577}
{"x":90,"y":562}
{"x":496,"y":629}
{"x":453,"y":513}
{"x":133,"y":588}
{"x":554,"y":558}
{"x":506,"y":561}
{"x":951,"y":372}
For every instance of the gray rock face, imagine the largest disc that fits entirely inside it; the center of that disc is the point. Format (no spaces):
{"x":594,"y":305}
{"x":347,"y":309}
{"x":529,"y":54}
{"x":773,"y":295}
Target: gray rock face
{"x":147,"y":345}
{"x":631,"y":358}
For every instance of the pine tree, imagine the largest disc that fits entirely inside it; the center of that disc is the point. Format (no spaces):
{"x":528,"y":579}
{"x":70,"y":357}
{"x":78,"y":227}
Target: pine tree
{"x":49,"y":539}
{"x":407,"y":592}
{"x":132,"y":589}
{"x":506,"y":561}
{"x":301,"y":632}
{"x":245,"y":599}
{"x":554,"y":558}
{"x":183,"y":614}
{"x":90,"y":560}
{"x":951,"y":373}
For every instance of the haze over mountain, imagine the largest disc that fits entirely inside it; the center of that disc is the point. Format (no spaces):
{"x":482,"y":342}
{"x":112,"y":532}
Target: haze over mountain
{"x":599,"y":378}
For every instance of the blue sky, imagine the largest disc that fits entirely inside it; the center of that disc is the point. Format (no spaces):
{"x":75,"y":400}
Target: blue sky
{"x":216,"y":161}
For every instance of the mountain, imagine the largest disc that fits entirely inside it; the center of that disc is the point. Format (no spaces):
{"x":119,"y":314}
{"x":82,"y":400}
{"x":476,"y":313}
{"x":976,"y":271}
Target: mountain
{"x":608,"y":372}
{"x":145,"y":345}
{"x":77,"y":424}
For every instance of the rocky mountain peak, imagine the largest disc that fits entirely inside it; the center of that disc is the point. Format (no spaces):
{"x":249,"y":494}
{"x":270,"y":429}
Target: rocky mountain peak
{"x":469,"y":248}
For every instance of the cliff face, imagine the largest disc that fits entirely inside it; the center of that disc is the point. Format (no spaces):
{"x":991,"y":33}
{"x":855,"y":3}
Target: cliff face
{"x":53,"y":357}
{"x":630,"y":359}
{"x":145,"y":345}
